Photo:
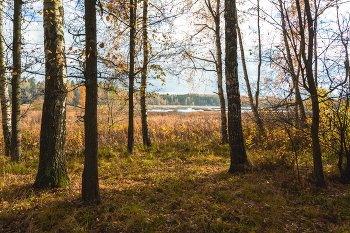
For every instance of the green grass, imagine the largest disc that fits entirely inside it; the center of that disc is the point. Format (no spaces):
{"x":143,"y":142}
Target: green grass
{"x":183,"y":187}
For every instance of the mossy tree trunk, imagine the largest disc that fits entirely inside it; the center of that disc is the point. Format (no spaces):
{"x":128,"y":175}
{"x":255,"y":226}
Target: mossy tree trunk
{"x":52,"y":170}
{"x":144,"y":118}
{"x":239,"y":160}
{"x":4,"y":95}
{"x":90,"y":185}
{"x":133,"y":5}
{"x":16,"y":81}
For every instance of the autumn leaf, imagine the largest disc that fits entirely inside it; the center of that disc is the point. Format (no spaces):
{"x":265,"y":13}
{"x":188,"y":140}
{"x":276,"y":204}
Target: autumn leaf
{"x":13,"y":73}
{"x":102,"y":45}
{"x":39,"y":12}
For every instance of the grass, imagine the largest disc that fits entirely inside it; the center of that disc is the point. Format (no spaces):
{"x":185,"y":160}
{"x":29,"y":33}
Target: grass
{"x":178,"y":185}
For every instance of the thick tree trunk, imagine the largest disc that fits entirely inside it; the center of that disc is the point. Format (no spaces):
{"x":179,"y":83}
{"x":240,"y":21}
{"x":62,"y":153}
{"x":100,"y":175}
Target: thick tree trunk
{"x":144,"y":119}
{"x":316,"y":149}
{"x":52,"y":170}
{"x":254,"y":107}
{"x":16,"y":81}
{"x":90,"y":185}
{"x":4,"y":95}
{"x":132,"y":76}
{"x":239,"y":160}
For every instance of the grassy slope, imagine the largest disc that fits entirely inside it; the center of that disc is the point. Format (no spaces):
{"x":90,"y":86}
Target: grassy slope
{"x":181,"y":187}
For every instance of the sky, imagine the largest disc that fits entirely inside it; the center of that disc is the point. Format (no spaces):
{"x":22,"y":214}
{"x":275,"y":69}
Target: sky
{"x":174,"y":84}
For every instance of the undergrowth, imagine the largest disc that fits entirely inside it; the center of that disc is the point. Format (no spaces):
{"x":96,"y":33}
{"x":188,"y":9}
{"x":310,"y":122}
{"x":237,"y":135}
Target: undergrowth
{"x":179,"y":184}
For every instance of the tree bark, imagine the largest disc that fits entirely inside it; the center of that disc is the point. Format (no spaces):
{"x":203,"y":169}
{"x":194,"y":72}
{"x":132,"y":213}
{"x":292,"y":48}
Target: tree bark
{"x":316,"y":149}
{"x":218,"y":63}
{"x":224,"y":137}
{"x":90,"y":185}
{"x":253,"y":106}
{"x":4,"y":95}
{"x":52,"y":170}
{"x":16,"y":81}
{"x":295,"y":76}
{"x":132,"y":76}
{"x":239,"y":160}
{"x":144,"y":119}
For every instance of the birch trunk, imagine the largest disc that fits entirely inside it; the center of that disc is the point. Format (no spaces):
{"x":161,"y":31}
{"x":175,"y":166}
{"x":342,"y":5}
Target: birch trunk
{"x":4,"y":95}
{"x":16,"y":81}
{"x":239,"y":160}
{"x":132,"y":76}
{"x":254,"y":107}
{"x":52,"y":170}
{"x":90,"y":183}
{"x":224,"y":137}
{"x":144,"y":118}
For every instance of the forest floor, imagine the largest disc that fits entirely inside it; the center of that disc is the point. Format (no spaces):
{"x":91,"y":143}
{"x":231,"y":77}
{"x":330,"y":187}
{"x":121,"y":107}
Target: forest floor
{"x":175,"y":186}
{"x":182,"y":189}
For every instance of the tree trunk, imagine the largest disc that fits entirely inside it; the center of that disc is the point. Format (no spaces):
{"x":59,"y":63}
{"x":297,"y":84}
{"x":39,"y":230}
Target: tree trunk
{"x":254,"y":107}
{"x":132,"y":76}
{"x":224,"y":137}
{"x":90,"y":185}
{"x":145,"y":131}
{"x":4,"y":95}
{"x":295,"y":77}
{"x":316,"y":149}
{"x":239,"y":160}
{"x":16,"y":81}
{"x":52,"y":170}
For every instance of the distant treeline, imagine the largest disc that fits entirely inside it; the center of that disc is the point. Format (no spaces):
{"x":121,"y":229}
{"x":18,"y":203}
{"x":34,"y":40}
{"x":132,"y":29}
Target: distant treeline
{"x":203,"y":100}
{"x":187,"y":99}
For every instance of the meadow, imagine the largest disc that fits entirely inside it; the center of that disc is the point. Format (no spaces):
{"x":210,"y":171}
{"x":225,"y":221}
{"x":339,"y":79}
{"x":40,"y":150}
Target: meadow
{"x":179,"y":184}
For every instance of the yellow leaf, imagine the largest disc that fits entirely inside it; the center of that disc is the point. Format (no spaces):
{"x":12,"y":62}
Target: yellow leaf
{"x":107,"y":18}
{"x":58,"y":51}
{"x":131,"y":6}
{"x":51,"y":11}
{"x":20,"y":47}
{"x":48,"y":77}
{"x":39,"y":12}
{"x":48,"y":51}
{"x":70,"y":48}
{"x":13,"y":73}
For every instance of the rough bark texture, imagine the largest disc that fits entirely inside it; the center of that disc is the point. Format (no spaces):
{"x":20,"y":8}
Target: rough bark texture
{"x":4,"y":95}
{"x":52,"y":170}
{"x":132,"y":76}
{"x":316,"y":149}
{"x":16,"y":81}
{"x":90,"y":185}
{"x":144,"y":119}
{"x":253,"y":106}
{"x":239,"y":160}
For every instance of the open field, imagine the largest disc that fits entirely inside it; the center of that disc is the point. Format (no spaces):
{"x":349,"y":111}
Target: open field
{"x":180,"y":184}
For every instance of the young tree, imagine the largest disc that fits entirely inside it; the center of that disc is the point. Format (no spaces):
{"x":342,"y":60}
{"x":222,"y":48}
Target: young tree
{"x":311,"y":88}
{"x":90,"y":185}
{"x":16,"y":81}
{"x":145,"y":132}
{"x":133,"y":7}
{"x":239,"y":160}
{"x":218,"y":62}
{"x":4,"y":95}
{"x":254,"y":106}
{"x":52,"y":170}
